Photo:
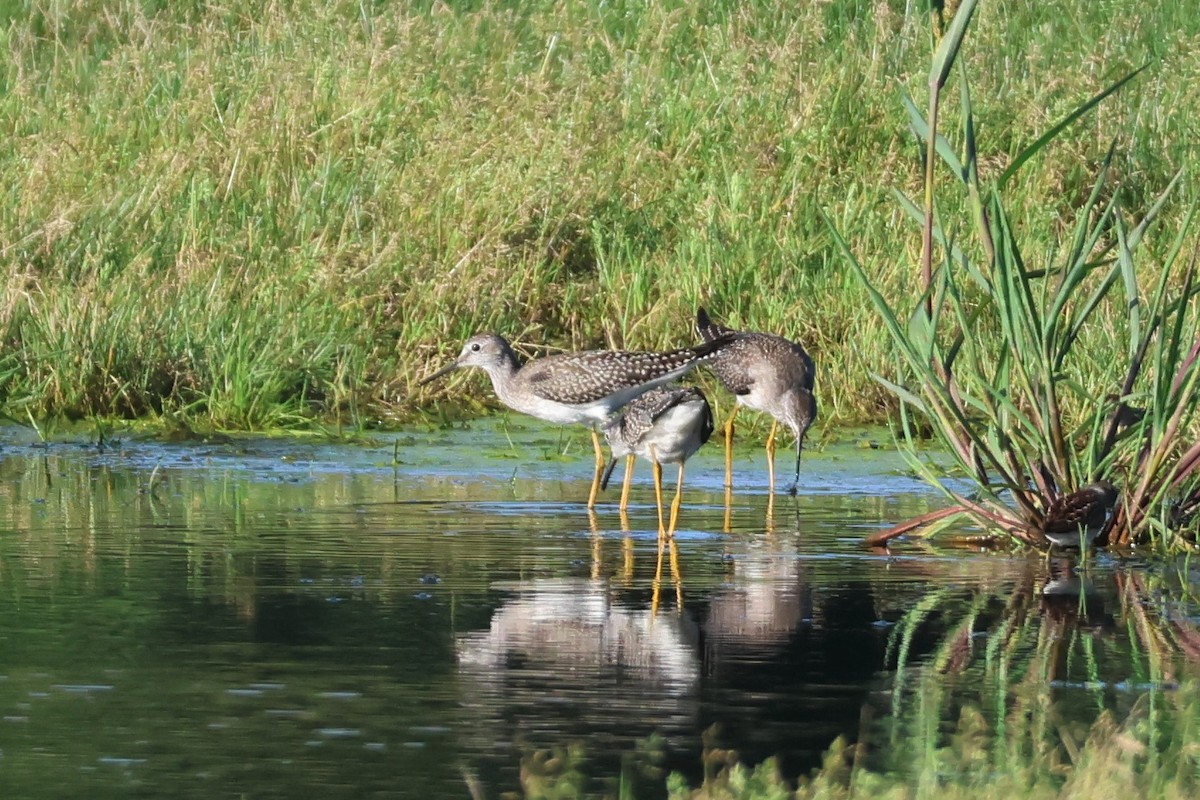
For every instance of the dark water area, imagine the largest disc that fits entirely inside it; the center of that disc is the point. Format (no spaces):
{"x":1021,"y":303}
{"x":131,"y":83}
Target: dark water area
{"x":269,"y":617}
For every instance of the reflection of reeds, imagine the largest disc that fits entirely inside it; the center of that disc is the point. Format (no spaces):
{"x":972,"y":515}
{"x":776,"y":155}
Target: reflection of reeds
{"x":1162,"y":636}
{"x":1150,"y":751}
{"x":1052,"y":629}
{"x":1001,"y":729}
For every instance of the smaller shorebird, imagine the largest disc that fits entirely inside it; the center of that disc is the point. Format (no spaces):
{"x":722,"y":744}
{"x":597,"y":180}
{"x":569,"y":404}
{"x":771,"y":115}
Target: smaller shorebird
{"x":1076,"y":519}
{"x":575,"y":387}
{"x":664,"y":426}
{"x":767,"y":373}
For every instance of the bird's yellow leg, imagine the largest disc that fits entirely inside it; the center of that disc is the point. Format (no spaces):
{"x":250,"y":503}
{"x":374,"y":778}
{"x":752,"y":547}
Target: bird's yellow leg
{"x":729,"y":450}
{"x":658,"y":497}
{"x":729,"y":471}
{"x":628,"y":482}
{"x":676,"y":503}
{"x":654,"y":596}
{"x":771,"y":458}
{"x":676,"y":575}
{"x":599,"y":469}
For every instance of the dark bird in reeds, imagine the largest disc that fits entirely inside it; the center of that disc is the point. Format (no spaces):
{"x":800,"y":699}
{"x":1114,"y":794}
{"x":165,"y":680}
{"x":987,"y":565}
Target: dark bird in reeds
{"x":1076,"y":519}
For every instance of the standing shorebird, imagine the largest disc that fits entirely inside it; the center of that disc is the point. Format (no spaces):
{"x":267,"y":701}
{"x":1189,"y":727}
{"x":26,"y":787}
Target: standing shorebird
{"x":767,"y":373}
{"x":664,"y":426}
{"x":1076,"y":519}
{"x":575,"y":387}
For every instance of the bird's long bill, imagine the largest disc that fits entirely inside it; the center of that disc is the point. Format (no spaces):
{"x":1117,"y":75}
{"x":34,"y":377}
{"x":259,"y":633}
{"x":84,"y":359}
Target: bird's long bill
{"x":800,"y":446}
{"x":453,"y":365}
{"x":608,"y":471}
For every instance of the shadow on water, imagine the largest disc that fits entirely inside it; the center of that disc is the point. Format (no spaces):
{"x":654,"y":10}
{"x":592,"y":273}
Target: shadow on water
{"x":275,"y":616}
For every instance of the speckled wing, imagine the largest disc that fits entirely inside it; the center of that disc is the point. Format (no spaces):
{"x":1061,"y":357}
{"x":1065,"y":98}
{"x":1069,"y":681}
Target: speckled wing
{"x":626,"y":431}
{"x":734,"y":364}
{"x":797,"y":363}
{"x":755,"y":357}
{"x":640,"y":414}
{"x":579,"y":378}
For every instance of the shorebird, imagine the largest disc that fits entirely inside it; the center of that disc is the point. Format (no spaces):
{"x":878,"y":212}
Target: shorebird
{"x":1076,"y":519}
{"x":766,"y":373}
{"x":587,"y":386}
{"x":664,"y":426}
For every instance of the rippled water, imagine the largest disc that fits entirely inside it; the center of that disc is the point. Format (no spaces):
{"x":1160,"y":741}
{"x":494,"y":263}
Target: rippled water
{"x":275,"y":617}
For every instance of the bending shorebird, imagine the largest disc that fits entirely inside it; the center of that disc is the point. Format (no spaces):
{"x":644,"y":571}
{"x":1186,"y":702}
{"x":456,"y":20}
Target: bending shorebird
{"x":767,"y":373}
{"x":1076,"y":519}
{"x":575,"y":387}
{"x":664,"y":426}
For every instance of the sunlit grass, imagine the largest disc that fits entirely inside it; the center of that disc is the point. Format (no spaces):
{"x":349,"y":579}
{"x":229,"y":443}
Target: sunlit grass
{"x":255,"y":214}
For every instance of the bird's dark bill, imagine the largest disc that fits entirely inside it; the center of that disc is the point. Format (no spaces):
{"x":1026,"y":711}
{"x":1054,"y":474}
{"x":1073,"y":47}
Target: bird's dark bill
{"x":453,"y":365}
{"x":608,"y":471}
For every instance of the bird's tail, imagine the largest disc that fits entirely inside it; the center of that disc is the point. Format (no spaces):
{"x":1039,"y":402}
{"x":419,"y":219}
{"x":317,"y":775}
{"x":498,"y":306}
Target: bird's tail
{"x":706,"y":328}
{"x":710,"y":346}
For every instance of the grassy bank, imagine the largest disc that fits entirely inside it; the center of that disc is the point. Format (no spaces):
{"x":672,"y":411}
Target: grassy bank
{"x":254,"y":214}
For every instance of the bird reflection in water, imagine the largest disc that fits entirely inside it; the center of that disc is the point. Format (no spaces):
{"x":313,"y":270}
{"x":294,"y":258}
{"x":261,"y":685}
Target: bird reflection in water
{"x":598,"y":660}
{"x":578,"y":621}
{"x":594,"y":653}
{"x":1070,"y":605}
{"x":1069,"y":599}
{"x":666,"y":547}
{"x":765,"y":600}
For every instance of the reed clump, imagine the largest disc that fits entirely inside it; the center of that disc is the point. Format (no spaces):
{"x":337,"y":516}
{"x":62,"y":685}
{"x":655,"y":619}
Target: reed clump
{"x":1059,"y":435}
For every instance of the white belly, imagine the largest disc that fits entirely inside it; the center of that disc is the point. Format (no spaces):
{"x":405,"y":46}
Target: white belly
{"x":675,"y":435}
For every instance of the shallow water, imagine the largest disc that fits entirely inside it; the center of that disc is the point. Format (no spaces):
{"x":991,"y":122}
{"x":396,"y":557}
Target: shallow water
{"x":268,"y":617}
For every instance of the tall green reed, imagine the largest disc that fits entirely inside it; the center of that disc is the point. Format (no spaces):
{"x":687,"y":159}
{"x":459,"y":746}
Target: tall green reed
{"x":992,"y":357}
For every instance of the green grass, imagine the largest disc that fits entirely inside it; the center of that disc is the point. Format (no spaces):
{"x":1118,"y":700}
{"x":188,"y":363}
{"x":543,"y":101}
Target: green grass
{"x":1147,"y":754}
{"x":255,"y":215}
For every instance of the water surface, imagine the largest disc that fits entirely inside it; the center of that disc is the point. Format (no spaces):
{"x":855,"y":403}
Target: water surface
{"x":270,"y":617}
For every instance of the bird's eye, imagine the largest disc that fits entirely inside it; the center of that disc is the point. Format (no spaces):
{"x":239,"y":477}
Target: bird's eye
{"x":475,"y":346}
